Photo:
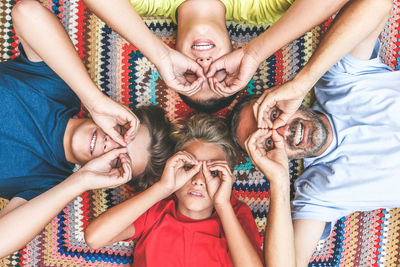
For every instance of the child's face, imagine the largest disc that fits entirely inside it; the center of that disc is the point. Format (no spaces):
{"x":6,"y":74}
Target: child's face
{"x":193,"y":199}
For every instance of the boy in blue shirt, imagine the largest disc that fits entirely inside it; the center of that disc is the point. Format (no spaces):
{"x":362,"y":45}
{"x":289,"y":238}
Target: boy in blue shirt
{"x":41,"y":141}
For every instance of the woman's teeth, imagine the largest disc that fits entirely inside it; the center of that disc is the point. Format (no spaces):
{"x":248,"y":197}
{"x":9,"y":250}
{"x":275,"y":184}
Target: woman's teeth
{"x":202,"y":46}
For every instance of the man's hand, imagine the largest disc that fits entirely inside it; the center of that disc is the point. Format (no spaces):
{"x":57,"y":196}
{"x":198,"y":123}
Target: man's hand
{"x":286,"y":98}
{"x":219,"y":181}
{"x":102,"y":173}
{"x":109,"y":114}
{"x":173,"y":68}
{"x":240,"y":67}
{"x":179,"y":169}
{"x":267,"y":151}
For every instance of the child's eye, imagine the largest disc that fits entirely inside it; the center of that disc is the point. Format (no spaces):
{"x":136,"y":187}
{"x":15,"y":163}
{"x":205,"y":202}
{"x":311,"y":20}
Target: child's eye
{"x":187,"y":167}
{"x":269,"y":144}
{"x":214,"y":173}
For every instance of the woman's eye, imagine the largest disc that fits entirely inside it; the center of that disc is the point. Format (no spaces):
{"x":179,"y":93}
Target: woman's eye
{"x":220,"y":75}
{"x":269,"y":144}
{"x":187,"y":167}
{"x":214,"y":173}
{"x":274,"y":115}
{"x":190,"y":77}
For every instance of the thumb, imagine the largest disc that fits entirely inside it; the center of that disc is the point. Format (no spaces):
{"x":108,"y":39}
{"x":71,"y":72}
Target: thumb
{"x":116,"y":136}
{"x":113,"y":154}
{"x":216,"y":66}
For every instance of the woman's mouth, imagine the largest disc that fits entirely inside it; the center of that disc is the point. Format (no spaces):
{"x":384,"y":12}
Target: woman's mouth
{"x":202,"y":45}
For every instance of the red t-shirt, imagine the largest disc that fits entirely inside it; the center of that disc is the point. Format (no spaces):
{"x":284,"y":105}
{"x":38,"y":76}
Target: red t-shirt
{"x":168,"y":238}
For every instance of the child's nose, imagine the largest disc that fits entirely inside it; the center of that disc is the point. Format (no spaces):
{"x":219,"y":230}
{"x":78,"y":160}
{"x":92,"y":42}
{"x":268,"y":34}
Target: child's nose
{"x":199,"y":179}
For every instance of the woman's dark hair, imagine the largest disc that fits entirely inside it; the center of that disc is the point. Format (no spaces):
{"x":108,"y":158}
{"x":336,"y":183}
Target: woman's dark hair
{"x":207,"y":128}
{"x":161,"y":145}
{"x":210,"y":105}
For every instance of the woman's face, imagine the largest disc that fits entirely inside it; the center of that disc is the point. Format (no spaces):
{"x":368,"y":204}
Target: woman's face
{"x":193,"y":199}
{"x":202,"y":36}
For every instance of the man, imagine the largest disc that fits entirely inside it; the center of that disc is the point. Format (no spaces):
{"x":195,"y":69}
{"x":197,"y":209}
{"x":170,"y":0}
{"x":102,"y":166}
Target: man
{"x":350,"y":139}
{"x":203,"y":47}
{"x":40,"y":139}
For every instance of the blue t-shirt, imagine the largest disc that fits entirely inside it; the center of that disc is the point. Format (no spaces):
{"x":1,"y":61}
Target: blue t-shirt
{"x":35,"y":107}
{"x":360,"y":170}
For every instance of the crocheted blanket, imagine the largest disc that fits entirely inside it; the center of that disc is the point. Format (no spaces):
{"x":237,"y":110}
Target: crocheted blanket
{"x":121,"y":71}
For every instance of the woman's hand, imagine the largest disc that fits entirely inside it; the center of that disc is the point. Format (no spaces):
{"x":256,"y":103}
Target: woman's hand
{"x":109,"y":114}
{"x":267,"y":151}
{"x":102,"y":173}
{"x":173,"y":67}
{"x":179,"y":169}
{"x":219,"y":181}
{"x":240,"y":67}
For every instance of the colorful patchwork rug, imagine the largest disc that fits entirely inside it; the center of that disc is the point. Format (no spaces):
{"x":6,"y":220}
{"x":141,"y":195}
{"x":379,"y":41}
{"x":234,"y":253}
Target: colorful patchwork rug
{"x":121,"y":71}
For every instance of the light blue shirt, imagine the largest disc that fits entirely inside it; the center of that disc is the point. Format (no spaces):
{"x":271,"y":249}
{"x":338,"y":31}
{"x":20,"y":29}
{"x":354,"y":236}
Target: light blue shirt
{"x":360,"y":170}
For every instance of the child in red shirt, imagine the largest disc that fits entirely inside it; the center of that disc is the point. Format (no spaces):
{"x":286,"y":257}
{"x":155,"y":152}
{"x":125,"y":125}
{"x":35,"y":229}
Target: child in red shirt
{"x":200,"y":224}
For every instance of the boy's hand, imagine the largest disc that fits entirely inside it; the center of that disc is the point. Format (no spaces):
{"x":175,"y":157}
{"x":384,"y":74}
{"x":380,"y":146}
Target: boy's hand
{"x":108,"y":114}
{"x":267,"y":151}
{"x":286,"y":97}
{"x":173,"y":67}
{"x":219,"y":181}
{"x":240,"y":68}
{"x":179,"y":169}
{"x":102,"y":173}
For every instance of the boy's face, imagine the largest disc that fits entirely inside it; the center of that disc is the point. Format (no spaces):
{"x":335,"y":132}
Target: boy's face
{"x":193,"y":199}
{"x":89,"y":141}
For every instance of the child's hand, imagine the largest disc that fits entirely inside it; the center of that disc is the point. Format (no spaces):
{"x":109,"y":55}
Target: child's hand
{"x":102,"y":173}
{"x":267,"y":151}
{"x":179,"y":169}
{"x":108,"y":114}
{"x":219,"y":181}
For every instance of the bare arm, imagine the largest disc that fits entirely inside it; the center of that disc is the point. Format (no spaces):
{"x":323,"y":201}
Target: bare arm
{"x":16,"y":230}
{"x":171,"y":64}
{"x":219,"y":189}
{"x":299,"y":18}
{"x":307,"y":233}
{"x":44,"y":38}
{"x":116,"y":223}
{"x":354,"y":25}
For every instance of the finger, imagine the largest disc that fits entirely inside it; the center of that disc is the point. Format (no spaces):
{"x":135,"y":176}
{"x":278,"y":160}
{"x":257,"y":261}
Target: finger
{"x":228,"y":90}
{"x":127,"y":171}
{"x":195,"y":169}
{"x":224,"y":169}
{"x":194,"y":87}
{"x":267,"y":103}
{"x":116,"y":136}
{"x":278,"y":140}
{"x":113,"y":154}
{"x":216,"y":66}
{"x":132,"y":131}
{"x":281,"y":120}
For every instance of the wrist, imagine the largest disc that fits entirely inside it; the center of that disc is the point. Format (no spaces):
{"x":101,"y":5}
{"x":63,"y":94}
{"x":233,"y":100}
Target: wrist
{"x":304,"y":81}
{"x":222,"y":206}
{"x":161,"y":52}
{"x":78,"y":181}
{"x":92,"y":99}
{"x":162,"y":189}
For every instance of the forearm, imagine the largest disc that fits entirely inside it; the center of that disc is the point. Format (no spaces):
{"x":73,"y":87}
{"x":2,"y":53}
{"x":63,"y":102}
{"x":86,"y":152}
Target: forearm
{"x":22,"y":224}
{"x":242,"y":251}
{"x":299,"y":18}
{"x":123,"y":18}
{"x":279,"y":238}
{"x":111,"y":226}
{"x":37,"y":27}
{"x":353,"y":24}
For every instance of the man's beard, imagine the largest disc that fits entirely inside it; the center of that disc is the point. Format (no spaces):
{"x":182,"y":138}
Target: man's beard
{"x":318,"y":136}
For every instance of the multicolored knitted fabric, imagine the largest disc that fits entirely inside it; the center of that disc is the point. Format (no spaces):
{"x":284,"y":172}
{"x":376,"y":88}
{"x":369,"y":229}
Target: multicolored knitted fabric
{"x":121,"y":71}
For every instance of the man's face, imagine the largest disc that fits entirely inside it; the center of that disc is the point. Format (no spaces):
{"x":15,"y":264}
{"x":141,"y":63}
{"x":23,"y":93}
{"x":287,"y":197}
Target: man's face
{"x":89,"y":141}
{"x":204,"y":41}
{"x":305,"y":134}
{"x":193,"y":199}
